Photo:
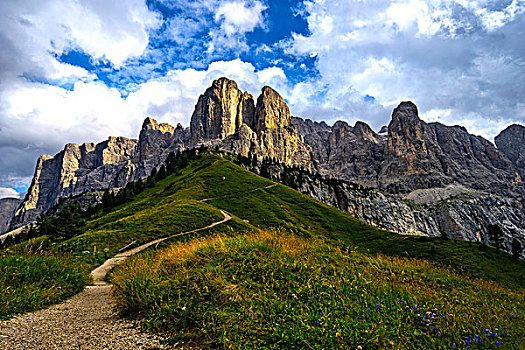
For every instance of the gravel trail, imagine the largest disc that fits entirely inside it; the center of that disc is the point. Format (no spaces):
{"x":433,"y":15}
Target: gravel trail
{"x":87,"y":320}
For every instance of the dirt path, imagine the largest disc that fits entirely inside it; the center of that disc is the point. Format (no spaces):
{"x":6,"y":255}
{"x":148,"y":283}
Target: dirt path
{"x":87,"y":320}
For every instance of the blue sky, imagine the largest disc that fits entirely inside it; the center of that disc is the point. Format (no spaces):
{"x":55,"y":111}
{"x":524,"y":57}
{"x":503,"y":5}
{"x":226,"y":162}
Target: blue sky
{"x":81,"y":71}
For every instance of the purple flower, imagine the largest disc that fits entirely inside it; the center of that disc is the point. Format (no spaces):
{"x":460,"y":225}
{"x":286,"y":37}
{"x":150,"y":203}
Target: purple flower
{"x":497,"y":343}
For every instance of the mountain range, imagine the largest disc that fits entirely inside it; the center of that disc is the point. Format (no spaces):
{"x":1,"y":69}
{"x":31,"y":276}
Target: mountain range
{"x":411,"y":177}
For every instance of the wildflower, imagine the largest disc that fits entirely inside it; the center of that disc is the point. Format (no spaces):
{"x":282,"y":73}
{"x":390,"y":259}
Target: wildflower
{"x":183,"y":308}
{"x":487,"y":330}
{"x":497,"y":343}
{"x":454,"y":345}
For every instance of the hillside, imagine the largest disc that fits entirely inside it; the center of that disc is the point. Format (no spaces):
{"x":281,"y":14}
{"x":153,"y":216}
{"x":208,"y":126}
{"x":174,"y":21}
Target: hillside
{"x":293,"y":230}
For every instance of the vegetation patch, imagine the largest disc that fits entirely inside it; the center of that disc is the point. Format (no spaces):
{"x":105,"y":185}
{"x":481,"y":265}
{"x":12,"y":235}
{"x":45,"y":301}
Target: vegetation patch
{"x":275,"y":290}
{"x":33,"y":282}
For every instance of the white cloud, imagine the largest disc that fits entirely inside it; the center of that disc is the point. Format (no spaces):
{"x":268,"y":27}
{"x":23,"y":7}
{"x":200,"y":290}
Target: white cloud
{"x":6,"y":192}
{"x":37,"y":117}
{"x":434,"y":52}
{"x":36,"y":29}
{"x":235,"y":19}
{"x":239,"y":17}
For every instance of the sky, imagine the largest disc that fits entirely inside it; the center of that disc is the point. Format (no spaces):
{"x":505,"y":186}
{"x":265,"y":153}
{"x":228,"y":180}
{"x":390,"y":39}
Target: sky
{"x":80,"y":71}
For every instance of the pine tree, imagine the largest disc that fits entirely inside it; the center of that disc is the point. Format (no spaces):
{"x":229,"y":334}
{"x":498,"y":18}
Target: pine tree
{"x":107,"y":199}
{"x":171,"y":162}
{"x":516,"y":249}
{"x":162,"y":173}
{"x":495,"y":234}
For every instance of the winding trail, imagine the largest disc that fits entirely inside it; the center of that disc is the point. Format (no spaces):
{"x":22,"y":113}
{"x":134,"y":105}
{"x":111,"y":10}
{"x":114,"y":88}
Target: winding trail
{"x":87,"y":320}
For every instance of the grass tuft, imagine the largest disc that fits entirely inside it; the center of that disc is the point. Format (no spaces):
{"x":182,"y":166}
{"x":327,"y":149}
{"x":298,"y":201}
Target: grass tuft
{"x":33,"y":282}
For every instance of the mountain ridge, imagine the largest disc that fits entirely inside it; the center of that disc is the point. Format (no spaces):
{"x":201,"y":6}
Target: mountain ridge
{"x":410,"y":155}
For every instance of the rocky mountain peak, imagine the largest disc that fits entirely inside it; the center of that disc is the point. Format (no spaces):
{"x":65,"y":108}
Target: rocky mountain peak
{"x":405,"y":132}
{"x":271,"y":111}
{"x":511,"y":142}
{"x":340,"y":132}
{"x":365,"y":132}
{"x":151,"y":124}
{"x":220,"y":111}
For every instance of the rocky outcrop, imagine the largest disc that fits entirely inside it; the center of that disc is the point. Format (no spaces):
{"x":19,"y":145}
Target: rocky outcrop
{"x":426,"y":178}
{"x":94,"y":167}
{"x":227,"y":117}
{"x":410,"y":155}
{"x":7,"y":209}
{"x":457,"y":211}
{"x":271,"y":111}
{"x":511,"y":142}
{"x":155,"y":142}
{"x":75,"y":170}
{"x":221,"y":111}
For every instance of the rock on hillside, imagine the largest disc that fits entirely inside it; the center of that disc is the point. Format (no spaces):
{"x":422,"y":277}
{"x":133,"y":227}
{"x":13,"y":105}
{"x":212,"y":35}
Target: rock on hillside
{"x":93,"y":167}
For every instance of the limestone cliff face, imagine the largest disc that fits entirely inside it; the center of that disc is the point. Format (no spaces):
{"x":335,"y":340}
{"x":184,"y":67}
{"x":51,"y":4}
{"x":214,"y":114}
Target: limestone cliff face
{"x":405,"y":133}
{"x":316,"y":135}
{"x":220,"y":111}
{"x":155,"y":142}
{"x":271,"y":111}
{"x":226,"y":117}
{"x":412,"y":155}
{"x":94,"y":167}
{"x":7,"y":209}
{"x":74,"y":170}
{"x":459,"y":212}
{"x":511,"y":142}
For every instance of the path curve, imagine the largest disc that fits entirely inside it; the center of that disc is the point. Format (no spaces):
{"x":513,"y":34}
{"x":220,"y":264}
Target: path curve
{"x":87,"y":320}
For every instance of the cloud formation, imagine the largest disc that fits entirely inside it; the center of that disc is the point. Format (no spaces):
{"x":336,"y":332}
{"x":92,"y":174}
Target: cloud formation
{"x":6,"y":192}
{"x":460,"y":61}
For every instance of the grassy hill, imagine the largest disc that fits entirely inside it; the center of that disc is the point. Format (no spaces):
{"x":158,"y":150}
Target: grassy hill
{"x":279,"y":271}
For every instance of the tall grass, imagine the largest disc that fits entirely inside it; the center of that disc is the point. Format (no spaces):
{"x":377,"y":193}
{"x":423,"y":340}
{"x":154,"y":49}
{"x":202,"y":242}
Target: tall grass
{"x":29,"y":283}
{"x":273,"y":290}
